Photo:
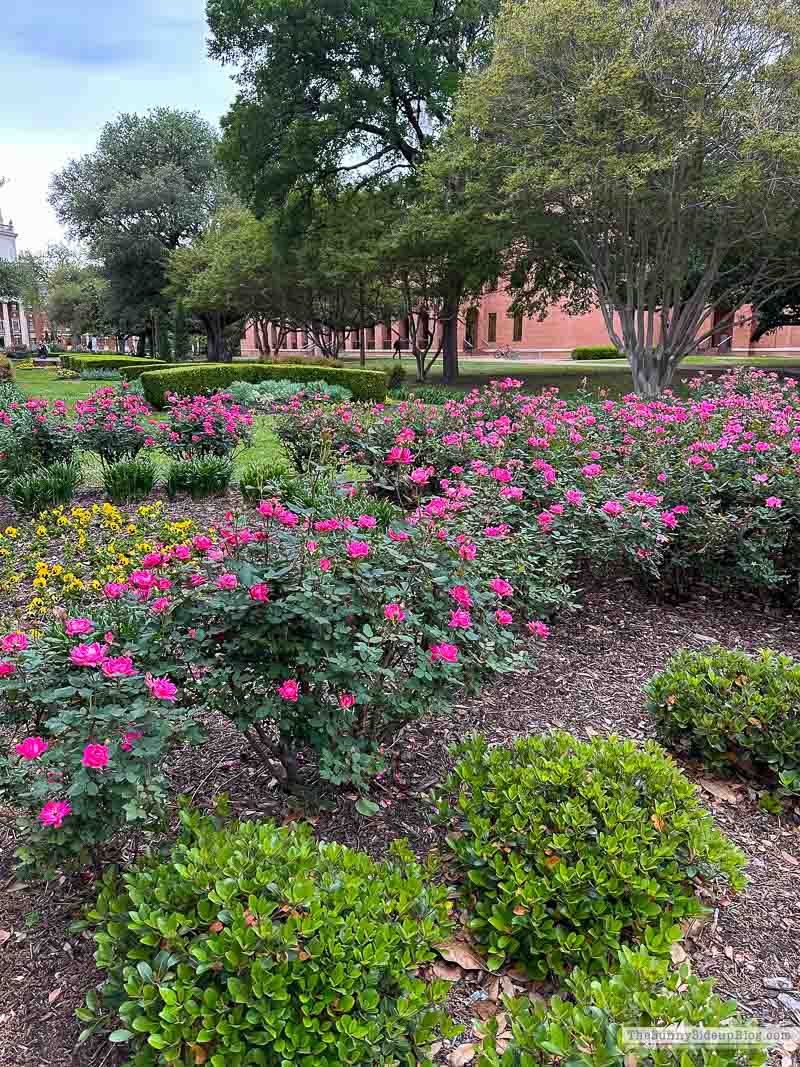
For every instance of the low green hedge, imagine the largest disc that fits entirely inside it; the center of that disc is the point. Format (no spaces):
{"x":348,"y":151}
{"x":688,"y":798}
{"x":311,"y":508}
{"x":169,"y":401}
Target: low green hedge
{"x":79,"y":361}
{"x":210,"y":377}
{"x":597,"y":352}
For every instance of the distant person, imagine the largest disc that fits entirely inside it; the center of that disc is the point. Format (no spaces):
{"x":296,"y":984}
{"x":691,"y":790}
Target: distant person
{"x":43,"y":350}
{"x":397,"y":349}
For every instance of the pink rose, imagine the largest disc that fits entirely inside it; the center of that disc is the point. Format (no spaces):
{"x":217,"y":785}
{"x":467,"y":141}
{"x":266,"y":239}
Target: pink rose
{"x":448,"y":653}
{"x":161,"y":688}
{"x":118,"y":667}
{"x":88,"y":655}
{"x":114,"y":590}
{"x":468,"y":551}
{"x":357,"y":549}
{"x":346,"y":700}
{"x":773,"y":502}
{"x":15,"y":642}
{"x":325,"y":565}
{"x":613,"y":508}
{"x":574,"y":497}
{"x":227,"y":581}
{"x":460,"y":619}
{"x":6,"y":668}
{"x":128,"y":738}
{"x":394,"y":612}
{"x":501,"y":587}
{"x":259,"y":592}
{"x":160,"y":605}
{"x":460,"y":594}
{"x":366,"y":522}
{"x":398,"y":535}
{"x":54,"y":812}
{"x":504,"y":618}
{"x":75,"y":627}
{"x":289,"y":690}
{"x":95,"y":756}
{"x":202,"y":543}
{"x":538,"y":629}
{"x":31,"y":747}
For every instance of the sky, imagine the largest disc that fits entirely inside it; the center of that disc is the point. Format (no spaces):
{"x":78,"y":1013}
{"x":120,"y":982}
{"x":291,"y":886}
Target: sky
{"x":80,"y":63}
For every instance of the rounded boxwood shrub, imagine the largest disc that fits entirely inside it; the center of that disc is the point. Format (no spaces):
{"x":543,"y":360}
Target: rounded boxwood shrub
{"x":569,"y":849}
{"x":728,"y":707}
{"x":584,"y":1030}
{"x":256,"y":944}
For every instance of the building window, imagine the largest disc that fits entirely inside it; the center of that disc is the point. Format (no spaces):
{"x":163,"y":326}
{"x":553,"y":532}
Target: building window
{"x":517,"y":326}
{"x":492,"y":326}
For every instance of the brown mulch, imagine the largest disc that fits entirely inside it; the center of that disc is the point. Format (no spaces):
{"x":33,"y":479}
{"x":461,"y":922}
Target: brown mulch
{"x":588,"y":679}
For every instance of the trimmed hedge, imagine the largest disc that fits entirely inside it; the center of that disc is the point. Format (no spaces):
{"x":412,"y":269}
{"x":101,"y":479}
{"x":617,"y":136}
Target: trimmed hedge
{"x":597,"y":352}
{"x":108,"y":361}
{"x":211,"y":377}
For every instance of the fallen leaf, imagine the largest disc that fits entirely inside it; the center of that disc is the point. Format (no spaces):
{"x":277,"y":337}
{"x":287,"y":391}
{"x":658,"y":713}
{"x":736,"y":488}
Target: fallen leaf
{"x":678,"y":952}
{"x":508,"y":987}
{"x":4,"y":936}
{"x":493,"y":988}
{"x":657,"y":822}
{"x":461,"y":953}
{"x":789,"y":858}
{"x":486,"y":1009}
{"x":53,"y":995}
{"x":449,"y":971}
{"x":463,"y":1054}
{"x":200,"y":1053}
{"x":728,"y":950}
{"x":436,"y":1048}
{"x":720,"y":790}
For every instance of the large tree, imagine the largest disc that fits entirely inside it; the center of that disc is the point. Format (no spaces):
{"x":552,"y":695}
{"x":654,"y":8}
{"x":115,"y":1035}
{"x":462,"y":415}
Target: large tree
{"x":77,"y":300}
{"x":150,"y":185}
{"x":641,"y":150}
{"x":334,"y":91}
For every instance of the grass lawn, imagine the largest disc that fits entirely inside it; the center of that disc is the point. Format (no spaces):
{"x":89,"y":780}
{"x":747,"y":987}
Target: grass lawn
{"x":46,"y":384}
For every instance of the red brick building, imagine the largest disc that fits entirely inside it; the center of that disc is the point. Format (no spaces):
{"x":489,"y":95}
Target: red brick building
{"x":488,"y":326}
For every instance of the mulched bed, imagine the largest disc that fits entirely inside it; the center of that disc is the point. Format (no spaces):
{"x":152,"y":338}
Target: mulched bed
{"x":589,"y":679}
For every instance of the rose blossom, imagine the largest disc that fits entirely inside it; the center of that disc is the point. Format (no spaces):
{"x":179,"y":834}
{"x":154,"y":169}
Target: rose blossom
{"x":15,"y":642}
{"x":259,"y":592}
{"x":773,"y":502}
{"x":460,"y":619}
{"x":325,"y":565}
{"x":357,"y":549}
{"x":539,"y":629}
{"x":504,"y":618}
{"x":88,"y":655}
{"x":31,"y":747}
{"x":289,"y":690}
{"x":114,"y":590}
{"x":6,"y":668}
{"x":501,"y":587}
{"x":460,"y":594}
{"x":54,"y":812}
{"x":118,"y":667}
{"x":160,"y":605}
{"x":128,"y":738}
{"x":346,"y":700}
{"x":161,"y":688}
{"x":394,"y":612}
{"x":95,"y":756}
{"x":448,"y":653}
{"x":227,"y":581}
{"x":76,"y":627}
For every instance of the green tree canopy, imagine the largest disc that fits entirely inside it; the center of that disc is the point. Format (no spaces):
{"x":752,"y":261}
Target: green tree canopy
{"x":640,"y":151}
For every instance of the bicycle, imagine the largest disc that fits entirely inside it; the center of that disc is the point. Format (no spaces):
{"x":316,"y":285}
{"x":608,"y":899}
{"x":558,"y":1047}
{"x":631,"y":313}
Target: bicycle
{"x":505,"y":352}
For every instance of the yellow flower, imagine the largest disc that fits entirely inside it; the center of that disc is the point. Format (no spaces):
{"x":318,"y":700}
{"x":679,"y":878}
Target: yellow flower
{"x":39,"y":583}
{"x":41,"y":531}
{"x":63,"y":520}
{"x":56,"y":569}
{"x":11,"y":531}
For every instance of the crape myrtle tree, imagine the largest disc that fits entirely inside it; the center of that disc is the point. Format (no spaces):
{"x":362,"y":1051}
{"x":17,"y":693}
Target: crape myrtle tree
{"x":642,"y":151}
{"x":333,"y":92}
{"x":150,"y":185}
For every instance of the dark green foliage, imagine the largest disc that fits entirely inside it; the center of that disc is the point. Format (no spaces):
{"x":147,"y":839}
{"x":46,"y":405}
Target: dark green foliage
{"x":201,"y":476}
{"x":596,"y":352}
{"x":584,"y":1030}
{"x":109,"y":361}
{"x":129,"y":480}
{"x":435,"y":394}
{"x":180,"y":334}
{"x":44,"y":488}
{"x":259,"y":478}
{"x":570,"y":848}
{"x":728,"y":707}
{"x":257,"y":944}
{"x":396,"y":376}
{"x":211,"y":377}
{"x":299,"y":358}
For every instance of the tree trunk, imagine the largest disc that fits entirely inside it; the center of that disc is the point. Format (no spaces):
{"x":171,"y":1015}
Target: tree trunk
{"x":450,"y":341}
{"x":650,"y":376}
{"x":215,"y":332}
{"x":362,"y":333}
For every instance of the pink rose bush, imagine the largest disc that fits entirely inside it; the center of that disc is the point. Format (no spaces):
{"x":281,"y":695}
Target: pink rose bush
{"x":201,"y":425}
{"x":94,"y":728}
{"x":675,"y":491}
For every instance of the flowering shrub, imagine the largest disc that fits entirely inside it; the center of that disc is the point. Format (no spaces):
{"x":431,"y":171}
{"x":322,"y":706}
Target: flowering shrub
{"x":325,"y":634}
{"x":569,"y":849}
{"x":584,"y":1028}
{"x":93,"y":727}
{"x":673,"y":490}
{"x":113,"y":422}
{"x":271,"y":947}
{"x":731,"y":708}
{"x":32,"y":434}
{"x":201,"y":425}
